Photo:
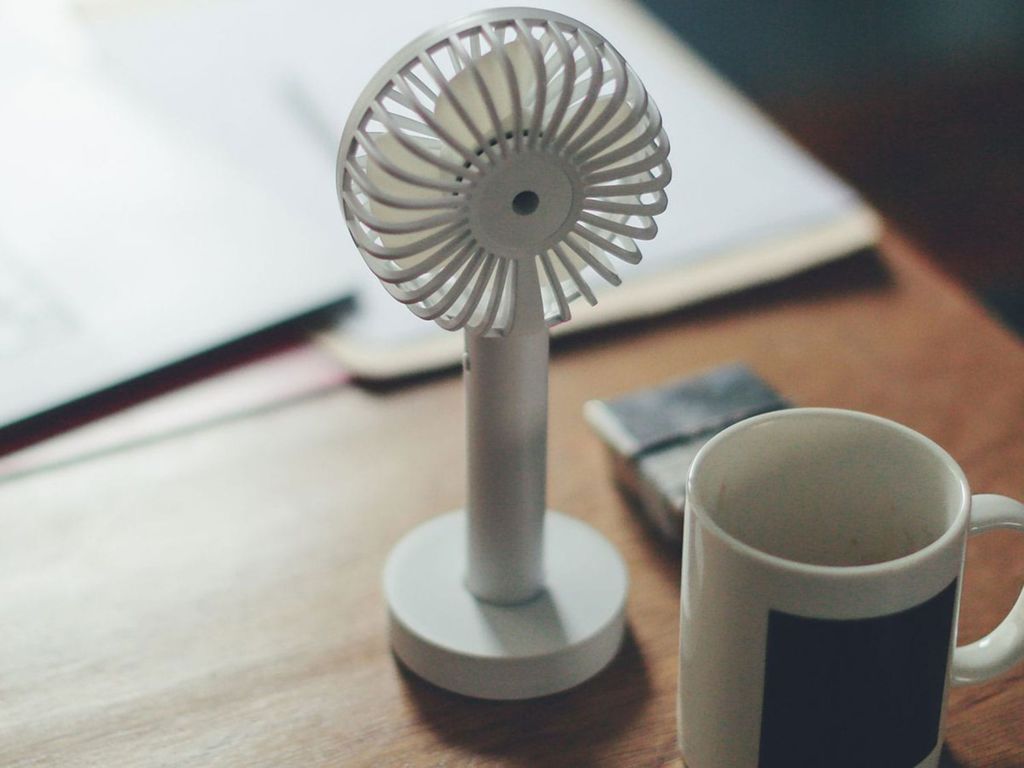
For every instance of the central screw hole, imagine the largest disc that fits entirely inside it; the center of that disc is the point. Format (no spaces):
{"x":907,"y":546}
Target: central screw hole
{"x":525,"y":203}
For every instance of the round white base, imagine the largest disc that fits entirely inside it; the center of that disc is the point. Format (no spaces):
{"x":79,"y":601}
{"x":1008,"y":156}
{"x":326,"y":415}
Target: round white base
{"x":565,"y":635}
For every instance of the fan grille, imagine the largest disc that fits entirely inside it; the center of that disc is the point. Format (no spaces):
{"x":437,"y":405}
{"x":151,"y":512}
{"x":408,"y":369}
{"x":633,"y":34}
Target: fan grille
{"x":508,"y":141}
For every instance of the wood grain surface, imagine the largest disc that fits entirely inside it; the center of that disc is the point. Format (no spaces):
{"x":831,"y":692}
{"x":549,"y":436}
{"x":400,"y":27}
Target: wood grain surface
{"x":214,"y":599}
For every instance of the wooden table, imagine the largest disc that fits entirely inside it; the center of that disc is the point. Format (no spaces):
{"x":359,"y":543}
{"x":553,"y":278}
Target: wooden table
{"x":213,"y":599}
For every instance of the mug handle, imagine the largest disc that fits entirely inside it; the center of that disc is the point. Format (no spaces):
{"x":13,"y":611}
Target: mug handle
{"x":1003,"y":647}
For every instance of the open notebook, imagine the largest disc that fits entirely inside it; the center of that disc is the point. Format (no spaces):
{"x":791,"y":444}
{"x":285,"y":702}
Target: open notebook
{"x":125,"y":244}
{"x":746,"y":205}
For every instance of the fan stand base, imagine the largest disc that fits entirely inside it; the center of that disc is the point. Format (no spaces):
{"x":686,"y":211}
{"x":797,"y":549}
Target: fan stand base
{"x":565,"y":635}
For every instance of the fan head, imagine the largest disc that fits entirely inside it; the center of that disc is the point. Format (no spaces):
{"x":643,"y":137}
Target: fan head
{"x":513,"y":142}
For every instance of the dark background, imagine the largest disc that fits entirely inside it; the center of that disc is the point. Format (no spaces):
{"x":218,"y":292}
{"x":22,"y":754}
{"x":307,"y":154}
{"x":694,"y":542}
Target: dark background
{"x":918,"y":103}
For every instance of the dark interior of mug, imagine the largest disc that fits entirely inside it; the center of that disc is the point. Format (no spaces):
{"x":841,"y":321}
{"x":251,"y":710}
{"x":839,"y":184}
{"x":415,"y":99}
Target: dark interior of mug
{"x":828,"y":488}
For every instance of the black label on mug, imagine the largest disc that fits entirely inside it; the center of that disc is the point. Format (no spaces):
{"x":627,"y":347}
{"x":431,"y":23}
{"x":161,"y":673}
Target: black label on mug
{"x":855,"y":693}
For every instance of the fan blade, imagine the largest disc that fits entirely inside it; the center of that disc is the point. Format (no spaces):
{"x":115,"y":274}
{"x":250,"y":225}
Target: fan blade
{"x":412,"y":165}
{"x":568,"y":267}
{"x":463,"y":94}
{"x":599,"y":123}
{"x":391,"y":148}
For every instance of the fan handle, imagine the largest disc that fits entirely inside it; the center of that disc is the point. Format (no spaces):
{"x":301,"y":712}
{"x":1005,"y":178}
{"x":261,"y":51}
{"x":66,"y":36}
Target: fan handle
{"x":506,"y":380}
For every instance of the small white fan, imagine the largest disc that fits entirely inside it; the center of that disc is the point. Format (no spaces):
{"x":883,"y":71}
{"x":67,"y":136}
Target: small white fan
{"x":487,"y":172}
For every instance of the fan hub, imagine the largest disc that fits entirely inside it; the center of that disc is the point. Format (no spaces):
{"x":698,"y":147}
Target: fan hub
{"x":524,"y":204}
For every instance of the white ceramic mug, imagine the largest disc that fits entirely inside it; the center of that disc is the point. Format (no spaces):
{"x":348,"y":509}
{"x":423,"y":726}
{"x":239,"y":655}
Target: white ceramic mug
{"x":822,"y":562}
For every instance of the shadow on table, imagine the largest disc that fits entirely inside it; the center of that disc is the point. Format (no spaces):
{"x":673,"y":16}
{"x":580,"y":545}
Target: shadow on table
{"x":564,"y":729}
{"x":949,"y":760}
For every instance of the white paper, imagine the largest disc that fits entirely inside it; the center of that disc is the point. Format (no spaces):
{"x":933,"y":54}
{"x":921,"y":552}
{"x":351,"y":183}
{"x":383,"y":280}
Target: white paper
{"x":276,"y":79}
{"x":125,"y":245}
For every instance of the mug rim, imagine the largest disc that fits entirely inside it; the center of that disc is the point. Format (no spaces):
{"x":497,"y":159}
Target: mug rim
{"x":696,"y":505}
